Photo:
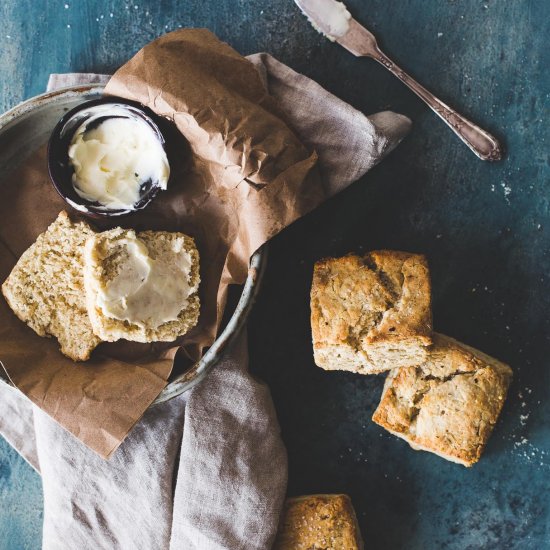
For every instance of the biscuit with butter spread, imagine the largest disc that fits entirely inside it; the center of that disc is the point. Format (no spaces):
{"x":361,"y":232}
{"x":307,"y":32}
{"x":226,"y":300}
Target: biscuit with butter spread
{"x":141,"y":286}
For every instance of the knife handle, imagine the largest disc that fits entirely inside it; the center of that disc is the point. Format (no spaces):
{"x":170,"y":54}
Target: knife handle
{"x":483,"y":144}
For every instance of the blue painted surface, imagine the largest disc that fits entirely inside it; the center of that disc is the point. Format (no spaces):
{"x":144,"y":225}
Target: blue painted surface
{"x":20,"y":502}
{"x":485,"y":228}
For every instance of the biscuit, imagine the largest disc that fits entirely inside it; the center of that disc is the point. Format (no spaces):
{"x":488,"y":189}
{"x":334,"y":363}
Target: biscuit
{"x":106,"y":256}
{"x":449,"y":404}
{"x":46,"y":288}
{"x":371,"y":314}
{"x":316,"y":522}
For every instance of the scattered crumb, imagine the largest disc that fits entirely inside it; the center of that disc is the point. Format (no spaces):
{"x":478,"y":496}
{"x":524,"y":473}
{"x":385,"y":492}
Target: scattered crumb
{"x":507,"y":190}
{"x":439,"y":34}
{"x":68,"y":26}
{"x":66,"y":6}
{"x":521,"y":447}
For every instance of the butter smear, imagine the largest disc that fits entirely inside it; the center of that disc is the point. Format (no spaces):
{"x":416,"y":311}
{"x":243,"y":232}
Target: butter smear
{"x":329,"y":17}
{"x":147,"y":291}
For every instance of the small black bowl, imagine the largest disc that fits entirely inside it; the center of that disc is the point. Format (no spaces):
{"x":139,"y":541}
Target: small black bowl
{"x":61,"y":171}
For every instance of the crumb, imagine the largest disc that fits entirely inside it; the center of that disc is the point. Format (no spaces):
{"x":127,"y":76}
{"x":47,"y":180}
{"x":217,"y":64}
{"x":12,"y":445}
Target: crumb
{"x":507,"y":190}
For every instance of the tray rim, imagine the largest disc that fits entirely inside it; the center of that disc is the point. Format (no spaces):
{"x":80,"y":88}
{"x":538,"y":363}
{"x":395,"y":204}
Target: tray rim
{"x":258,"y":262}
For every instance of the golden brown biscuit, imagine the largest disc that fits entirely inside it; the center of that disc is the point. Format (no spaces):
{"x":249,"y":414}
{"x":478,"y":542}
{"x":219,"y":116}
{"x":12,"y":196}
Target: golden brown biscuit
{"x":448,"y":405}
{"x":371,"y":314}
{"x":318,"y":522}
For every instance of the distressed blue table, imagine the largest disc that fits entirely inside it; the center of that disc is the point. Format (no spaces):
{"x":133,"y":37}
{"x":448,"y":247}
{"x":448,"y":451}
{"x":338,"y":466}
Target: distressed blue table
{"x":485,"y":229}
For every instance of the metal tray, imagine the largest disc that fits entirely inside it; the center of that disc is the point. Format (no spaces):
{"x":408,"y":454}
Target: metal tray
{"x":28,"y":126}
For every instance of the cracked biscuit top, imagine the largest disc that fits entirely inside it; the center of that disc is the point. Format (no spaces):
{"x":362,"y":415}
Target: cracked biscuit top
{"x":448,"y":405}
{"x":371,"y":313}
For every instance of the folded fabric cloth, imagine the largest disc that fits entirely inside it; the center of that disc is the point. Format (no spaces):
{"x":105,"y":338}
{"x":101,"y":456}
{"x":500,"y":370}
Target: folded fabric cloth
{"x":206,"y":470}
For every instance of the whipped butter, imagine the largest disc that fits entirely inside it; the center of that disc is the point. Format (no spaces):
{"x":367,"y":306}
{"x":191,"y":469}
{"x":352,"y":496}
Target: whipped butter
{"x":147,"y":291}
{"x":115,"y":155}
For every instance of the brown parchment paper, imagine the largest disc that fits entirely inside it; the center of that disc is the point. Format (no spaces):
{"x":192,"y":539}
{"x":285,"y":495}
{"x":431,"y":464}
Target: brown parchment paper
{"x":239,"y":176}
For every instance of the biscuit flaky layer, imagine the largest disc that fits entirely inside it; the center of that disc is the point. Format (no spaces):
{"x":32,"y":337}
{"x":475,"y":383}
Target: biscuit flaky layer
{"x":318,"y":521}
{"x":103,"y":261}
{"x":449,"y":404}
{"x":371,"y":313}
{"x":46,"y":287}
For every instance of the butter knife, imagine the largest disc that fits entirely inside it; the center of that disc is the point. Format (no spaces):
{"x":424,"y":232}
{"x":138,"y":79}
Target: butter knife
{"x":332,"y":19}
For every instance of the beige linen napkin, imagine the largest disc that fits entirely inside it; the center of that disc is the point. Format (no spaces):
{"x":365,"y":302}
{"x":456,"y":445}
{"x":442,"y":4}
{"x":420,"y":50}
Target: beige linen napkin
{"x":206,"y":470}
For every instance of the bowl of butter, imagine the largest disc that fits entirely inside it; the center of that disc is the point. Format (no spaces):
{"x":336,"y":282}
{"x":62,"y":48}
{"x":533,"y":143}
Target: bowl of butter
{"x":107,"y":157}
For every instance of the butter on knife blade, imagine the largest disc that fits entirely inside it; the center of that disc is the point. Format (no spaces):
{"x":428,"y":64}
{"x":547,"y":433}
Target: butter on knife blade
{"x":329,"y":17}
